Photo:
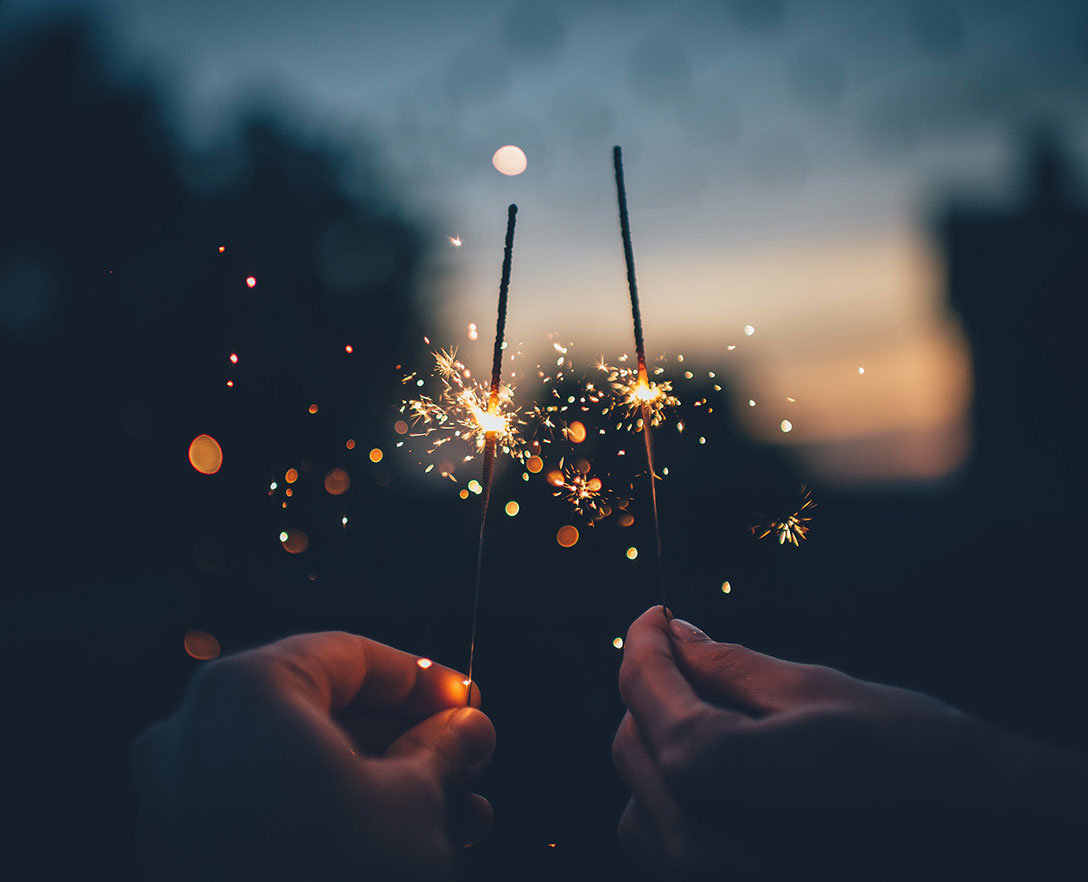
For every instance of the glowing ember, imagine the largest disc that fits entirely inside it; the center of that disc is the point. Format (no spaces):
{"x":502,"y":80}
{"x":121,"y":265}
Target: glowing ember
{"x":455,"y":241}
{"x":726,"y":587}
{"x":424,"y":663}
{"x":251,"y":281}
{"x":312,"y":408}
{"x":234,"y":358}
{"x":633,"y":390}
{"x":632,"y":553}
{"x":349,"y":349}
{"x":618,"y":643}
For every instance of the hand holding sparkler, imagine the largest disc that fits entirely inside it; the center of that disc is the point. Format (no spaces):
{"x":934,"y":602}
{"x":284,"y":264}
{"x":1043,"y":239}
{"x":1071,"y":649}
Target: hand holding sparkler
{"x":736,"y":760}
{"x":322,"y":756}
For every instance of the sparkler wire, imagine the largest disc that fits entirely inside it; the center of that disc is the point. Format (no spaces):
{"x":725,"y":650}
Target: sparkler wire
{"x":492,"y":436}
{"x":640,"y":351}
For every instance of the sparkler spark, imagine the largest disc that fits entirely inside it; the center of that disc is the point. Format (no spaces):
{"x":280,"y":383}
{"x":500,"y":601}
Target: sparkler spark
{"x":574,"y":484}
{"x":792,"y":528}
{"x":635,"y":393}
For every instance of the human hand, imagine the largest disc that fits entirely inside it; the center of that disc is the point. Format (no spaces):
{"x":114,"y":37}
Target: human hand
{"x":322,"y":756}
{"x":736,"y":760}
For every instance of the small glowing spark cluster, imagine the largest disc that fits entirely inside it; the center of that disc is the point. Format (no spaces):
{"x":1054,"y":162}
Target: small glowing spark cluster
{"x":632,"y":390}
{"x":574,"y":484}
{"x":792,"y":528}
{"x":462,"y":410}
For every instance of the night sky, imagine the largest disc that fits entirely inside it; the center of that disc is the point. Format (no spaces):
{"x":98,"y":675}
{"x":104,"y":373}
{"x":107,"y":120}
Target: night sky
{"x":784,"y":162}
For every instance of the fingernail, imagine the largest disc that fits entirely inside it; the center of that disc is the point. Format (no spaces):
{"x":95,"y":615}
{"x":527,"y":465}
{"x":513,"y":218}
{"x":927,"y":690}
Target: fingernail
{"x":686,"y":632}
{"x":474,"y":732}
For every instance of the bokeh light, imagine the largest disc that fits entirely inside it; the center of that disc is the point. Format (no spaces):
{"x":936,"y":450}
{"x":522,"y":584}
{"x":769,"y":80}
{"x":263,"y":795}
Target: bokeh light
{"x":312,"y":408}
{"x":567,"y":536}
{"x":376,"y":454}
{"x":424,"y":663}
{"x":632,"y":553}
{"x":786,"y":426}
{"x":295,"y":542}
{"x":290,"y":476}
{"x":534,"y":464}
{"x":400,"y":427}
{"x":201,"y":645}
{"x":510,"y":160}
{"x":205,"y":454}
{"x":350,"y":444}
{"x":251,"y":281}
{"x":726,"y":587}
{"x":618,"y":643}
{"x":512,"y":508}
{"x":576,"y":432}
{"x":337,"y":482}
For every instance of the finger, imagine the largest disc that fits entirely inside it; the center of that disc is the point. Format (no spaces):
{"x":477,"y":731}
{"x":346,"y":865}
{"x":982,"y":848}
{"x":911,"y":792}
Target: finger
{"x":643,"y":776}
{"x":334,"y":669}
{"x":734,"y":674}
{"x":637,"y":836}
{"x":453,"y":746}
{"x":651,"y":685}
{"x":479,"y":819}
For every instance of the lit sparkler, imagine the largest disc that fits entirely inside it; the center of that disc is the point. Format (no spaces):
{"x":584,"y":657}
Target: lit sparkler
{"x":493,"y":424}
{"x":792,"y":528}
{"x":637,"y":395}
{"x":642,"y":391}
{"x":574,"y":484}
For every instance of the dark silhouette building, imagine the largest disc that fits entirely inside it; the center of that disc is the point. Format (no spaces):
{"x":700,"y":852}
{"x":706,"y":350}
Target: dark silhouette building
{"x":1018,"y":278}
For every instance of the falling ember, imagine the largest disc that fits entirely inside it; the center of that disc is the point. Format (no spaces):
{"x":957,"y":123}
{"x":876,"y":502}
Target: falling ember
{"x":251,"y":281}
{"x":312,"y":408}
{"x":222,"y":248}
{"x":349,"y":349}
{"x":205,"y":454}
{"x":567,"y":536}
{"x":424,"y":663}
{"x":455,"y":241}
{"x":344,"y":520}
{"x":201,"y":645}
{"x":790,"y":529}
{"x":234,"y":358}
{"x":230,"y":384}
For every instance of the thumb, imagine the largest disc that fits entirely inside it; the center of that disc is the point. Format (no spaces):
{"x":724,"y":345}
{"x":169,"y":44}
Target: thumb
{"x":454,"y":745}
{"x":730,"y":672}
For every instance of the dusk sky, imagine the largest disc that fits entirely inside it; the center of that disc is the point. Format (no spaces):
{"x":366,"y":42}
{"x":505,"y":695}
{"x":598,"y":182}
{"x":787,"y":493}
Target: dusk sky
{"x":783,"y":161}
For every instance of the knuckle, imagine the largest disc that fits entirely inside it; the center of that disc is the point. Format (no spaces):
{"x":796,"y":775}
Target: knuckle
{"x":224,"y":680}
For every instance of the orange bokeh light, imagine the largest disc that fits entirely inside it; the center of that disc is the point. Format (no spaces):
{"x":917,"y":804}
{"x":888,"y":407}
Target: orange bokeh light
{"x":400,"y":427}
{"x":555,"y":478}
{"x":251,"y":282}
{"x":376,"y":455}
{"x":291,"y":476}
{"x":567,"y":536}
{"x":350,"y":444}
{"x":534,"y":464}
{"x":312,"y":408}
{"x":201,"y":645}
{"x":576,"y":432}
{"x":337,"y":482}
{"x":205,"y":454}
{"x":296,"y":541}
{"x":349,"y":349}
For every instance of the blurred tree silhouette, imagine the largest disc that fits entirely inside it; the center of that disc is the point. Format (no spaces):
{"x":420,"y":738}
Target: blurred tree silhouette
{"x":119,"y":313}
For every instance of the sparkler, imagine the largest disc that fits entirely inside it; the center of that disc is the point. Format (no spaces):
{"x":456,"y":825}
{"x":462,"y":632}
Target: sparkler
{"x":792,"y":528}
{"x":642,"y":394}
{"x":492,"y":423}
